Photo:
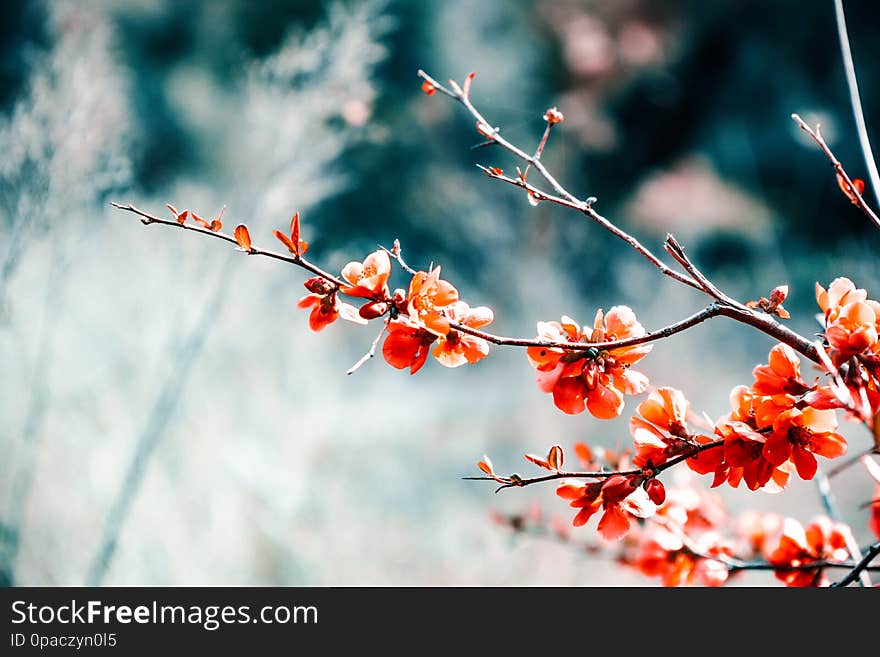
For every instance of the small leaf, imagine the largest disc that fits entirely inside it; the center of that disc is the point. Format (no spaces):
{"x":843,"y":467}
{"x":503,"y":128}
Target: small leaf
{"x":485,"y":130}
{"x":217,"y":224}
{"x":201,"y":222}
{"x":852,"y":193}
{"x":428,"y":88}
{"x":555,"y":457}
{"x":495,"y":171}
{"x":294,"y":228}
{"x":286,"y":241}
{"x":467,"y":84}
{"x":486,"y":466}
{"x":243,"y":237}
{"x":583,"y":452}
{"x":537,"y":460}
{"x":181,"y":218}
{"x":532,"y":200}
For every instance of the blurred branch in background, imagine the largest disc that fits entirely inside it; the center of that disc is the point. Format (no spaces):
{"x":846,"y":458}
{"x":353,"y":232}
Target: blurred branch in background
{"x":184,"y":354}
{"x":852,"y":82}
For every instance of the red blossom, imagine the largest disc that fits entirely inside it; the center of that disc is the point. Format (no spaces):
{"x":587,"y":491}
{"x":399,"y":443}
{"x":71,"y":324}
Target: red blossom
{"x":457,"y":348}
{"x":368,"y":279}
{"x":428,"y":301}
{"x":797,"y":547}
{"x":581,"y":380}
{"x":407,"y":346}
{"x":326,"y":309}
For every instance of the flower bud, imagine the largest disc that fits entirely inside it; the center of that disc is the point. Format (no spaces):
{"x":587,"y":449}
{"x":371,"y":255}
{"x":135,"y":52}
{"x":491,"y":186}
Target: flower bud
{"x":373,"y":309}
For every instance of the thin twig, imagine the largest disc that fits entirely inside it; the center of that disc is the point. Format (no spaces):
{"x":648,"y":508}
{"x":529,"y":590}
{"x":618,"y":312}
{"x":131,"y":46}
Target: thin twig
{"x":848,"y":463}
{"x":293,"y":259}
{"x":519,"y":482}
{"x":372,"y":352}
{"x":854,"y":193}
{"x":853,"y":85}
{"x":724,"y":308}
{"x":583,"y":206}
{"x":823,"y":486}
{"x":860,"y":568}
{"x":396,"y":252}
{"x":157,"y":423}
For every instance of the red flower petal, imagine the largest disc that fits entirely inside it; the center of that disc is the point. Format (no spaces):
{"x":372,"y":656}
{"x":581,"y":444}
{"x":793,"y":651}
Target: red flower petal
{"x":568,"y":395}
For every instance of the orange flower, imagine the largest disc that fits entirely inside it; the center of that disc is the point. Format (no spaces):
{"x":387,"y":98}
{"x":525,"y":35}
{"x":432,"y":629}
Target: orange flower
{"x":457,"y":348}
{"x":620,"y":496}
{"x":664,"y":412}
{"x":840,"y":293}
{"x":743,"y":454}
{"x":368,"y":279}
{"x":663,"y":554}
{"x":822,"y":540}
{"x":326,"y":309}
{"x":799,"y":435}
{"x":407,"y":345}
{"x":782,"y":375}
{"x":429,"y":298}
{"x":854,"y":330}
{"x":590,"y":379}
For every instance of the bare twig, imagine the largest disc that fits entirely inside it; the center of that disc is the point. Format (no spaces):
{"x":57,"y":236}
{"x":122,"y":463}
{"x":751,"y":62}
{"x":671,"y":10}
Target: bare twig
{"x":823,"y":486}
{"x":293,"y":259}
{"x":563,"y":194}
{"x":160,"y":416}
{"x":853,"y":85}
{"x":725,"y":306}
{"x":854,"y":193}
{"x":519,"y":482}
{"x":372,"y":352}
{"x":396,"y":252}
{"x":861,"y":567}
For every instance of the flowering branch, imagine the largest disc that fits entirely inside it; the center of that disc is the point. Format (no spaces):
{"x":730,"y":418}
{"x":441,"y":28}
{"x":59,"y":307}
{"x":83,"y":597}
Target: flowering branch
{"x":695,"y":279}
{"x":294,"y":259}
{"x":515,"y":481}
{"x":852,"y":187}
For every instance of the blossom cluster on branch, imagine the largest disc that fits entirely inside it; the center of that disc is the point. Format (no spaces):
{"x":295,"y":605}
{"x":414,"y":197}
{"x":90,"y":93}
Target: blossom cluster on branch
{"x":775,"y":429}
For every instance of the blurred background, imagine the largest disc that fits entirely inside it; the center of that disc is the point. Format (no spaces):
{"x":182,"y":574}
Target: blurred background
{"x":168,"y":418}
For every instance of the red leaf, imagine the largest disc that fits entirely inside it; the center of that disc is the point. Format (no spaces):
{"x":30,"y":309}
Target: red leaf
{"x":243,"y":237}
{"x":467,"y":84}
{"x":201,"y":222}
{"x":852,"y":193}
{"x":294,"y":228}
{"x":583,"y":452}
{"x":486,"y":466}
{"x":537,"y":460}
{"x":286,"y":241}
{"x":217,"y":224}
{"x":428,"y":88}
{"x":555,"y":457}
{"x":656,"y":491}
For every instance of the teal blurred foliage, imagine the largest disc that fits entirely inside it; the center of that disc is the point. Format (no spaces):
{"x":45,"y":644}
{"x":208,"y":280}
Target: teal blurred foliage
{"x":738,"y":71}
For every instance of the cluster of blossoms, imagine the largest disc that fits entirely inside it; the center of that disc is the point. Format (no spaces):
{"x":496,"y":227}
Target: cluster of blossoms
{"x":776,"y":428}
{"x":686,"y":544}
{"x":428,"y":314}
{"x":591,"y":379}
